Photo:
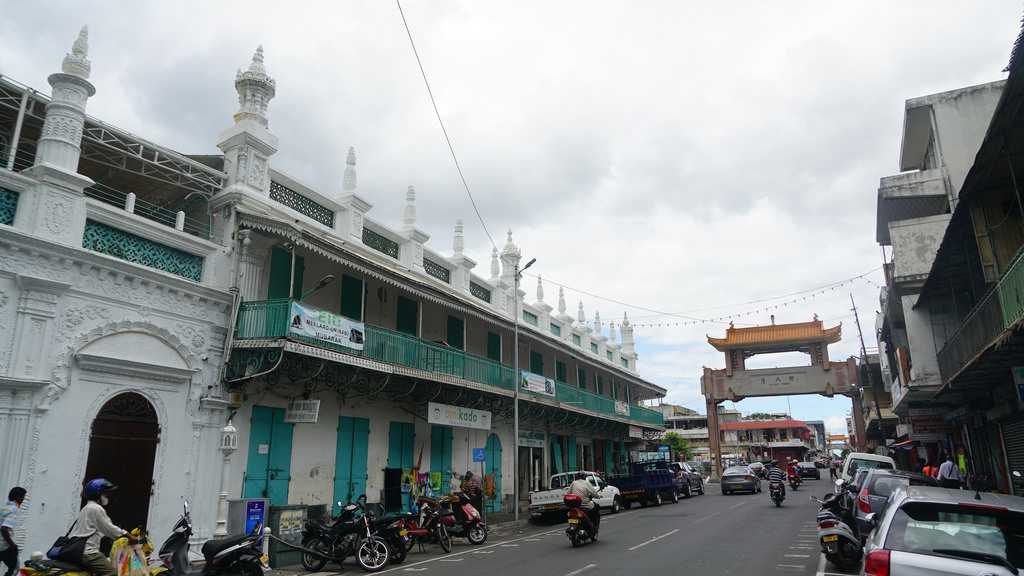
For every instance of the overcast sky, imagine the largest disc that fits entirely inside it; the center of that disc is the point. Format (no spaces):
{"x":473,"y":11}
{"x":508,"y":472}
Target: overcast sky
{"x":678,"y":156}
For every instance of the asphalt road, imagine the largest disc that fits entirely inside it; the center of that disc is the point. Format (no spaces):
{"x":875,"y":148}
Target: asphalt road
{"x":712,"y":534}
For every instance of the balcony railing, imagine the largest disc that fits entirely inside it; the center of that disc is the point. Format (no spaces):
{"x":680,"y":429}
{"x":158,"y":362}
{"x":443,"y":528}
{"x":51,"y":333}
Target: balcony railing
{"x":998,"y":310}
{"x":270,"y":318}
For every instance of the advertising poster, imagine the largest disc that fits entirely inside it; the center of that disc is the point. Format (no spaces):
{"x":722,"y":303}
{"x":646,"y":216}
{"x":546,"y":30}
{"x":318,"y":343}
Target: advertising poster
{"x":536,"y":383}
{"x":310,"y":322}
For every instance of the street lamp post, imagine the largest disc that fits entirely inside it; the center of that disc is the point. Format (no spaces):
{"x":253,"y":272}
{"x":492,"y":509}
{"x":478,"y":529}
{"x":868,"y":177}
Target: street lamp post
{"x":228,"y":444}
{"x":515,"y":391}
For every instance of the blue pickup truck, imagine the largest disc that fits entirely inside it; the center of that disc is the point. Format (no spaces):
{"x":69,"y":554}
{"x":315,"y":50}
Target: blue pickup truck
{"x":648,"y":483}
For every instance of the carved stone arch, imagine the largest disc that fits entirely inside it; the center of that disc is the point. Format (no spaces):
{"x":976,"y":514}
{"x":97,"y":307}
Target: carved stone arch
{"x":63,"y":361}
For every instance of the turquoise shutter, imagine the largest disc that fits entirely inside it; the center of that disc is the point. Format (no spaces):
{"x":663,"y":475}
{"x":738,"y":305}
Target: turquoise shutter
{"x":351,"y":297}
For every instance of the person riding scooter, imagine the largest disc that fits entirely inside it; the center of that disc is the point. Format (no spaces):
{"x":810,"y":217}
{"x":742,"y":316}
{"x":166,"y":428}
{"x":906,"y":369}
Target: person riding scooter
{"x":586,"y":491}
{"x":793,"y":473}
{"x":775,"y":475}
{"x":93,"y":524}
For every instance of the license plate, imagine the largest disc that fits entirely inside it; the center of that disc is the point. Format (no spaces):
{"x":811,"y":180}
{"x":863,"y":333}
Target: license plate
{"x":574,"y":520}
{"x":831,"y":538}
{"x":265,"y":560}
{"x":552,"y":506}
{"x":403,"y":532}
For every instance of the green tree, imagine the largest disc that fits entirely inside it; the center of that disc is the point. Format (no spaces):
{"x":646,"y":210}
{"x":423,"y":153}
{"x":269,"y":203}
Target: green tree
{"x":678,"y":445}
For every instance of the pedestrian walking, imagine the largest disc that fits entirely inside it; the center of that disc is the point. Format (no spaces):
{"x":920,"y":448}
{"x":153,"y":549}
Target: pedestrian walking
{"x":949,"y":473}
{"x":8,"y":516}
{"x":833,"y":470}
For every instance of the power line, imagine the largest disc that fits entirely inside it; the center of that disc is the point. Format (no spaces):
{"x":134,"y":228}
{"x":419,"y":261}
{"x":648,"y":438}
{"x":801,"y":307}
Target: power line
{"x":444,"y":130}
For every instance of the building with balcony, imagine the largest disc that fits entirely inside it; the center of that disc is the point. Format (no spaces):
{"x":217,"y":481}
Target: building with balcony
{"x":973,"y":293}
{"x":693,"y":426}
{"x":158,"y":297}
{"x":777,"y":439}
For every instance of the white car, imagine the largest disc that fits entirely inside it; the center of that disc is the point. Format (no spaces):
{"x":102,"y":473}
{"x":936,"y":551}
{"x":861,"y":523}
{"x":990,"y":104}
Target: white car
{"x":864,"y":461}
{"x":549,"y":502}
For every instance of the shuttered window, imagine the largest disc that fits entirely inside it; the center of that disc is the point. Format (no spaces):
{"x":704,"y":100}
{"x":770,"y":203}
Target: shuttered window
{"x":407,"y":319}
{"x":351,"y":297}
{"x":494,"y":346}
{"x":280,"y":265}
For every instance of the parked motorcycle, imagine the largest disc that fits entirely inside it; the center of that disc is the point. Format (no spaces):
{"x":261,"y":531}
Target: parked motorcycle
{"x":839,"y":543}
{"x":580,"y":528}
{"x":238,"y":554}
{"x":352,"y":533}
{"x":462,"y":519}
{"x":427,"y":527}
{"x":775,"y":490}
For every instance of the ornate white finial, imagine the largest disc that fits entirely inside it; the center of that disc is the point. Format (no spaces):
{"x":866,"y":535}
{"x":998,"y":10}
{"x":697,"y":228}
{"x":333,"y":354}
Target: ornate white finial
{"x":255,"y":90}
{"x":409,"y":214}
{"x":510,"y":246}
{"x":611,"y":333}
{"x":597,"y":323}
{"x":77,"y":63}
{"x":579,"y":314}
{"x":495,"y":269}
{"x":348,"y":184}
{"x":561,"y":301}
{"x":625,"y":320}
{"x":540,"y":289}
{"x":459,"y":242}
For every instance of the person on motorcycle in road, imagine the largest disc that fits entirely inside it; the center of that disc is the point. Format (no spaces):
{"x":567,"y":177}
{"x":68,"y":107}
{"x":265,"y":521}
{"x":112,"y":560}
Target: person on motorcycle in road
{"x":586,"y":491}
{"x":775,"y":475}
{"x":792,"y":469}
{"x":93,"y":523}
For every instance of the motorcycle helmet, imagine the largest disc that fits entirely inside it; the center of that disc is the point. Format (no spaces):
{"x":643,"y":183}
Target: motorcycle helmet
{"x":96,"y":487}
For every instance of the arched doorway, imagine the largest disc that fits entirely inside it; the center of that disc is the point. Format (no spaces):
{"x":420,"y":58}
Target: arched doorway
{"x":122,"y":449}
{"x":492,"y":458}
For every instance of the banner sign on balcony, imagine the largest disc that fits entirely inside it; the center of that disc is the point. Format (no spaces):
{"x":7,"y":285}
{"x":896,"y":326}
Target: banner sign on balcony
{"x":531,"y":439}
{"x":622,"y":408}
{"x":636,"y":432}
{"x":302,"y":411}
{"x":536,"y":383}
{"x":447,"y":415}
{"x":317,"y":324}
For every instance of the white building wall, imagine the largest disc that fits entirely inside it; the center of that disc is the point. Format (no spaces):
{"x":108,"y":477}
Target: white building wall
{"x":961,"y":122}
{"x":925,"y":368}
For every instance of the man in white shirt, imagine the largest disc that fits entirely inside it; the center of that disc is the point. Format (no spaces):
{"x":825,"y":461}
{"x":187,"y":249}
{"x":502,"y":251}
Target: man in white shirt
{"x":8,"y":516}
{"x":93,"y":523}
{"x":587,"y":492}
{"x":949,"y":473}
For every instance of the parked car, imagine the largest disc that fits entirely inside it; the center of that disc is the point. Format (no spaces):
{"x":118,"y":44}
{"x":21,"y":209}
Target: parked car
{"x":688,"y":480}
{"x":740,"y":479}
{"x":808,"y":470}
{"x":648,"y":483}
{"x":758,"y":469}
{"x":874,"y":490}
{"x":548,"y":503}
{"x":863,"y":461}
{"x":930,"y":530}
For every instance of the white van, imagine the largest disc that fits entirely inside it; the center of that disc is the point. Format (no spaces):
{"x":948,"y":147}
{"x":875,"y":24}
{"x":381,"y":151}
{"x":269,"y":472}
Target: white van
{"x":864,"y":461}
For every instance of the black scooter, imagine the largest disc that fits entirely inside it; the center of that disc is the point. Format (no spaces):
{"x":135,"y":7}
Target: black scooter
{"x":238,"y":554}
{"x":776,"y":491}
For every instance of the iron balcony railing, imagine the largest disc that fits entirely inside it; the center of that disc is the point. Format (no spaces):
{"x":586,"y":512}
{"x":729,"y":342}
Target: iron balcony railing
{"x":998,"y":311}
{"x":270,"y":318}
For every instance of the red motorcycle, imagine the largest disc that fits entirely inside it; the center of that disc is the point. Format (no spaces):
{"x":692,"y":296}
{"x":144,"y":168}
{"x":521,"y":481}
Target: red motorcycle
{"x":427,"y":526}
{"x":580,"y":527}
{"x":462,"y":519}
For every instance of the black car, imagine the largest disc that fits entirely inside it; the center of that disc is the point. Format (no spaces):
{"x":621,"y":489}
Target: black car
{"x":688,"y":480}
{"x":808,"y":470}
{"x":740,"y":479}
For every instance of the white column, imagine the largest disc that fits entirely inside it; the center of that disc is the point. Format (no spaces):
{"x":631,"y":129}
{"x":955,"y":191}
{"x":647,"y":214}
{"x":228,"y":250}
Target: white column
{"x":228,"y":445}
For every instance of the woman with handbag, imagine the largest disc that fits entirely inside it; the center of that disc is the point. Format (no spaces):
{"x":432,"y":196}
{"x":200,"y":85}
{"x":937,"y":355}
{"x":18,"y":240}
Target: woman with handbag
{"x":93,"y":524}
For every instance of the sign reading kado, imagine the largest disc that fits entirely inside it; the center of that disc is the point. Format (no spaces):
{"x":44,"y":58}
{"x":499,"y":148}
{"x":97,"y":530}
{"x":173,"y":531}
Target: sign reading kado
{"x":447,"y":415}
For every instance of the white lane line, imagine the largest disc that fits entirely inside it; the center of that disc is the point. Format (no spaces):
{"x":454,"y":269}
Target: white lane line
{"x":483,"y":552}
{"x":582,"y":570}
{"x":510,"y":545}
{"x":534,"y":540}
{"x":452,"y":559}
{"x":429,"y":560}
{"x":706,"y":517}
{"x":735,"y":506}
{"x":797,"y":555}
{"x":790,"y":566}
{"x":655,"y":539}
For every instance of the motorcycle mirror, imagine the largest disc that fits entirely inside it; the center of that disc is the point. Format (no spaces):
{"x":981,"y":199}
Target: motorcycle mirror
{"x":871,"y":519}
{"x":1016,"y":474}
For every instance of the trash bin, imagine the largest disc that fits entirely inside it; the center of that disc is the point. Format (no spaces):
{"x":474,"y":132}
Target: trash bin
{"x":286,"y":523}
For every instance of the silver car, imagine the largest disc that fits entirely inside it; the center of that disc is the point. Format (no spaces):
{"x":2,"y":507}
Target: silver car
{"x":929,"y":530}
{"x":740,"y":479}
{"x":875,"y":488}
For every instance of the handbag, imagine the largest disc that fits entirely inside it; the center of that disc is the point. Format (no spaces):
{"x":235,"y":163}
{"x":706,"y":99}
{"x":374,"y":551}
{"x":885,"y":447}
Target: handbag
{"x":68,"y":548}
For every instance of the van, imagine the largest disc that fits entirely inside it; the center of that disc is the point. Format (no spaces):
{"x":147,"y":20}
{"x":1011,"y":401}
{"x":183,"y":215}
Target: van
{"x":865,"y":461}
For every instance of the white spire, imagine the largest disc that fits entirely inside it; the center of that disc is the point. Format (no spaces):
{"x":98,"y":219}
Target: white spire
{"x":561,"y":301}
{"x":349,"y":182}
{"x":579,"y":314}
{"x":255,"y":90}
{"x":458,"y":242}
{"x":597,"y":322}
{"x":409,"y":213}
{"x":495,"y":269}
{"x":625,"y":320}
{"x":77,"y":63}
{"x":510,"y":246}
{"x":611,"y":333}
{"x":540,"y":289}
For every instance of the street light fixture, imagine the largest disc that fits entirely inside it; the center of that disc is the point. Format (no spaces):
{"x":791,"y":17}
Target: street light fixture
{"x":515,"y":392}
{"x":326,"y":280}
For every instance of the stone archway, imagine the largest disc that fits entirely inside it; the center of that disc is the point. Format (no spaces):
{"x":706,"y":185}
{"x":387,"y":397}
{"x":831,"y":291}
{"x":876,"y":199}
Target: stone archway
{"x":122,"y":449}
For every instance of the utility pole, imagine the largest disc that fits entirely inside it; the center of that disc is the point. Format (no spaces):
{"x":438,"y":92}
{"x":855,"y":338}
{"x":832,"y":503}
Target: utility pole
{"x":515,"y":391}
{"x":864,"y":360}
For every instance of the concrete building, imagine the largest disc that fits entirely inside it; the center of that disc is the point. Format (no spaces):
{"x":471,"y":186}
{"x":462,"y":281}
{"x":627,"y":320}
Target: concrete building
{"x":776,"y":439}
{"x":818,"y":429}
{"x":198,"y":304}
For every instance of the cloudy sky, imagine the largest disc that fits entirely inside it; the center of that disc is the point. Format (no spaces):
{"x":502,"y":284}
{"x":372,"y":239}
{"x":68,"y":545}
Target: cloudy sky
{"x":682,"y":157}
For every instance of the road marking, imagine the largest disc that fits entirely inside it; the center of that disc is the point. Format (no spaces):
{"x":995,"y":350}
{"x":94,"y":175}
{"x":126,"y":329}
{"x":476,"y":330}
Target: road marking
{"x":483,"y":552}
{"x":582,"y":570}
{"x":452,"y":559}
{"x":655,"y":539}
{"x":706,"y":517}
{"x":533,"y":540}
{"x":797,"y":555}
{"x":790,"y":566}
{"x":510,"y":545}
{"x":428,"y":560}
{"x":735,"y":506}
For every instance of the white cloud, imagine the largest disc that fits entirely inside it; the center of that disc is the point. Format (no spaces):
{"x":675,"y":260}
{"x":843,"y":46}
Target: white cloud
{"x":836,"y":424}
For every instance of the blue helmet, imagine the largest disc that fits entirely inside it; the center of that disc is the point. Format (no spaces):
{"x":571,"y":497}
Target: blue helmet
{"x":97,"y":486}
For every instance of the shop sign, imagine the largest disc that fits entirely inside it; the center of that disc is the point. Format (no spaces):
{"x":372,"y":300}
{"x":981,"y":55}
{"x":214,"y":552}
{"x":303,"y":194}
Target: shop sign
{"x":622,"y":408}
{"x":930,"y":428}
{"x":255,"y":514}
{"x":310,"y":322}
{"x":531,"y":382}
{"x":302,"y":412}
{"x":479,"y":455}
{"x":636,"y":432}
{"x":447,"y":415}
{"x":531,"y":439}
